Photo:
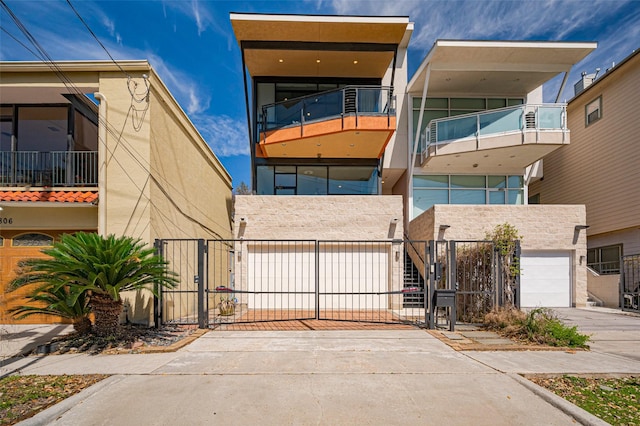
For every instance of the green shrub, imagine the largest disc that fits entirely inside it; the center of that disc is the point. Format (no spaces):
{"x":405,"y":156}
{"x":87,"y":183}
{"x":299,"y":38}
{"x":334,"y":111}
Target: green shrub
{"x":539,"y":325}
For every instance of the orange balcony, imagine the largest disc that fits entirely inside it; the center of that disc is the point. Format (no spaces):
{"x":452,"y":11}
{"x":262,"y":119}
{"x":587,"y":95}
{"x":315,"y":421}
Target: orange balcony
{"x":352,"y":122}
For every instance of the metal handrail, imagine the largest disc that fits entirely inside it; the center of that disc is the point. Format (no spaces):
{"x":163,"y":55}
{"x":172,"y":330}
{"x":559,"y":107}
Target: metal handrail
{"x":49,"y":169}
{"x":528,"y":119}
{"x":347,"y":101}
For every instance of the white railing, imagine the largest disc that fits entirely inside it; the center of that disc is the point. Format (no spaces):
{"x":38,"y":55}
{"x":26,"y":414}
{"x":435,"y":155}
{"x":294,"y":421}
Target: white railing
{"x":49,"y":169}
{"x":537,"y":118}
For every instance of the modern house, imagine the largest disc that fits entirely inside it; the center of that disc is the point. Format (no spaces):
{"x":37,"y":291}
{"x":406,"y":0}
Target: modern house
{"x":481,"y":129}
{"x":100,"y":147}
{"x":600,"y":170}
{"x":333,"y":121}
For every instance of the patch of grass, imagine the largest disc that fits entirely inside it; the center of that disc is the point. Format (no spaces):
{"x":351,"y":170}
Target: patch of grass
{"x":540,"y":326}
{"x":22,"y":397}
{"x":614,"y":400}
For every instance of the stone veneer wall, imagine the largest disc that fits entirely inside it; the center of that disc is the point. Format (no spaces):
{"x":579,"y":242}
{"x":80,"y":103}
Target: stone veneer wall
{"x":281,"y":217}
{"x":543,"y":227}
{"x":330,"y":217}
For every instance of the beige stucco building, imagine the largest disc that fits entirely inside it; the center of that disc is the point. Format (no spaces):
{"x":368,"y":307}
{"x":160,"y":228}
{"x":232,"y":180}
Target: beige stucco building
{"x":129,"y":163}
{"x":600,"y":170}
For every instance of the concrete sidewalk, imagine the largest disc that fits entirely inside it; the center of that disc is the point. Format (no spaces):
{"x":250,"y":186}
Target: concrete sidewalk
{"x":311,"y":377}
{"x":18,"y":339}
{"x":331,"y":377}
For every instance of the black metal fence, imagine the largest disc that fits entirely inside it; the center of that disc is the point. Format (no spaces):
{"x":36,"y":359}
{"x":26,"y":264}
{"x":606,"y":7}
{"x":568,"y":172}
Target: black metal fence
{"x":54,"y":169}
{"x":387,"y":281}
{"x":630,"y":283}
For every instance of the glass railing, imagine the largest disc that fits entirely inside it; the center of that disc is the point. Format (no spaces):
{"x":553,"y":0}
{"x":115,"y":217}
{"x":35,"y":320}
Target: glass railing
{"x":356,"y":100}
{"x":49,"y":169}
{"x":520,"y":118}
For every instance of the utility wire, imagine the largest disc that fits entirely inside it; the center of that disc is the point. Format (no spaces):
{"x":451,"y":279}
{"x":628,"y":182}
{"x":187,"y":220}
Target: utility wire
{"x":96,"y":37}
{"x":119,"y":137}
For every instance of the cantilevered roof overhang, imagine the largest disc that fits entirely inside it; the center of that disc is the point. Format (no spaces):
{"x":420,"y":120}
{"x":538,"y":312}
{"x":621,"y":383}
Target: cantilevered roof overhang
{"x":490,"y":68}
{"x":319,"y":46}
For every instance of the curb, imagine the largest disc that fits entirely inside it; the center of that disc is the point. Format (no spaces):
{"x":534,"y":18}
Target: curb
{"x":560,"y":403}
{"x":52,"y":413}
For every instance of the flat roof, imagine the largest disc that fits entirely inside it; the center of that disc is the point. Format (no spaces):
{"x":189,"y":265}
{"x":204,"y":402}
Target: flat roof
{"x":319,"y":45}
{"x":482,"y":67}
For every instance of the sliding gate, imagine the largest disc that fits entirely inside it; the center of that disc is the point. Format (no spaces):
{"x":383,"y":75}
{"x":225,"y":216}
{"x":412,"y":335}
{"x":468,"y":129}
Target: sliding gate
{"x":239,"y":281}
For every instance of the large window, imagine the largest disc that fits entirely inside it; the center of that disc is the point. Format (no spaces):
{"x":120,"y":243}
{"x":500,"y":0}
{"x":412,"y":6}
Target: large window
{"x":447,"y":107}
{"x":317,"y":180}
{"x":605,"y":260}
{"x":47,"y":128}
{"x":465,"y":189}
{"x":43,"y":128}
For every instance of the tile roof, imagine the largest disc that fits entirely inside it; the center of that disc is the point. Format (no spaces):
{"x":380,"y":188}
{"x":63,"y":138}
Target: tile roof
{"x":50,"y":196}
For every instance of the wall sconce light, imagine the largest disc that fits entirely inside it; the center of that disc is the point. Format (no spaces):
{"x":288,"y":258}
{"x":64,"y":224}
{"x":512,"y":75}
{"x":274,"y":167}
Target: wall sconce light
{"x":443,"y":227}
{"x":243,"y":220}
{"x":583,"y":259}
{"x":580,"y":227}
{"x":395,"y":220}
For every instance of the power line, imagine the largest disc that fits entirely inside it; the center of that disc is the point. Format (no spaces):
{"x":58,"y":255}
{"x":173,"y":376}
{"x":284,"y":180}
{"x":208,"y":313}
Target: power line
{"x":109,"y":127}
{"x":96,"y":37}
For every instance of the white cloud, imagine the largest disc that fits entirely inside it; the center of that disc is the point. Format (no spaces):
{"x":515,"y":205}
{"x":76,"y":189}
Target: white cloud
{"x":226,"y":137}
{"x":198,"y":12}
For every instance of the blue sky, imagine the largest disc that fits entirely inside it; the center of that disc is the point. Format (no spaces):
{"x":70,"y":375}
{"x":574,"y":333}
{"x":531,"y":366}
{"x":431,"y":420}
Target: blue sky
{"x":191,"y":45}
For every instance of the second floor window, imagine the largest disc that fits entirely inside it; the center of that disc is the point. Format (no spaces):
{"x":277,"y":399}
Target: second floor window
{"x":593,"y":111}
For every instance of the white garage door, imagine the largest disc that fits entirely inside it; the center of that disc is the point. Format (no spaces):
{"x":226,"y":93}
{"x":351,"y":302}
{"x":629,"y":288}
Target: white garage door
{"x":545,"y":279}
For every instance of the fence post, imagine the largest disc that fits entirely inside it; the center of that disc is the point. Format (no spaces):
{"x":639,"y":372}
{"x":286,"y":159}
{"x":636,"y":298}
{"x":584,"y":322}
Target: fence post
{"x":200,"y":281}
{"x":453,"y":267}
{"x":426,"y":265}
{"x":621,"y":284}
{"x":432,"y":281}
{"x":157,"y":290}
{"x":516,"y":290}
{"x":317,"y":280}
{"x":498,"y":270}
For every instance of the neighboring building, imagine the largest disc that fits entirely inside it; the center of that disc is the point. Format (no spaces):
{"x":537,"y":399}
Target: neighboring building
{"x":600,"y":169}
{"x":130,"y":163}
{"x":482,"y":127}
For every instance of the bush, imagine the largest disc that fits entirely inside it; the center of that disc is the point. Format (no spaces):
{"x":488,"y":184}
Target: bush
{"x":540,"y":326}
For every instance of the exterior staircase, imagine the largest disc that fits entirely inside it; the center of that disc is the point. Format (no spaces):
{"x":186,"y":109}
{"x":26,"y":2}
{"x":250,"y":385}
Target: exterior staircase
{"x":413,"y":279}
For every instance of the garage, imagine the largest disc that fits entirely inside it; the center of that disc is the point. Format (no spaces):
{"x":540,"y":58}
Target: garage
{"x":545,"y":278}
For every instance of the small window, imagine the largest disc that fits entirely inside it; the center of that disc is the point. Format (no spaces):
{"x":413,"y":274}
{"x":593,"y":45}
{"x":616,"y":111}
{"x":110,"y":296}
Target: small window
{"x":605,"y":260}
{"x":593,"y":111}
{"x":1,"y":241}
{"x":534,"y":199}
{"x":32,"y":240}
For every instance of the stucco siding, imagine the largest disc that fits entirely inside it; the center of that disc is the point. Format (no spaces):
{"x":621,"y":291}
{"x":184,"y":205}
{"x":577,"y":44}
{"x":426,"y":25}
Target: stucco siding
{"x":190,"y":190}
{"x":127,"y":183}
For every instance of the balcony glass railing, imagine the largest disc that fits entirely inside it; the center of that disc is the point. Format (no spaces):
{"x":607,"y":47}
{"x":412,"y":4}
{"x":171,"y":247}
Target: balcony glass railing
{"x":520,"y":118}
{"x":49,"y":169}
{"x":357,"y":100}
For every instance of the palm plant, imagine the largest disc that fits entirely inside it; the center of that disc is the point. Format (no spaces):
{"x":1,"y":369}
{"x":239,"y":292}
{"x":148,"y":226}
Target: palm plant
{"x":49,"y":299}
{"x":98,"y":269}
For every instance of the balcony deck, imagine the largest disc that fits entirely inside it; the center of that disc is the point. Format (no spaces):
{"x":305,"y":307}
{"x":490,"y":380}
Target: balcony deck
{"x":49,"y":169}
{"x":507,"y":139}
{"x":352,"y":122}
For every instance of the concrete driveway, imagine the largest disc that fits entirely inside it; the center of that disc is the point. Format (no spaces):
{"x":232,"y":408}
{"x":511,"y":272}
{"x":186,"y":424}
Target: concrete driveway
{"x":612,"y":331}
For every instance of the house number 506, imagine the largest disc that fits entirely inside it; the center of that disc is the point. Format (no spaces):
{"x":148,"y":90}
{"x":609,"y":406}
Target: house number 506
{"x":6,"y":220}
